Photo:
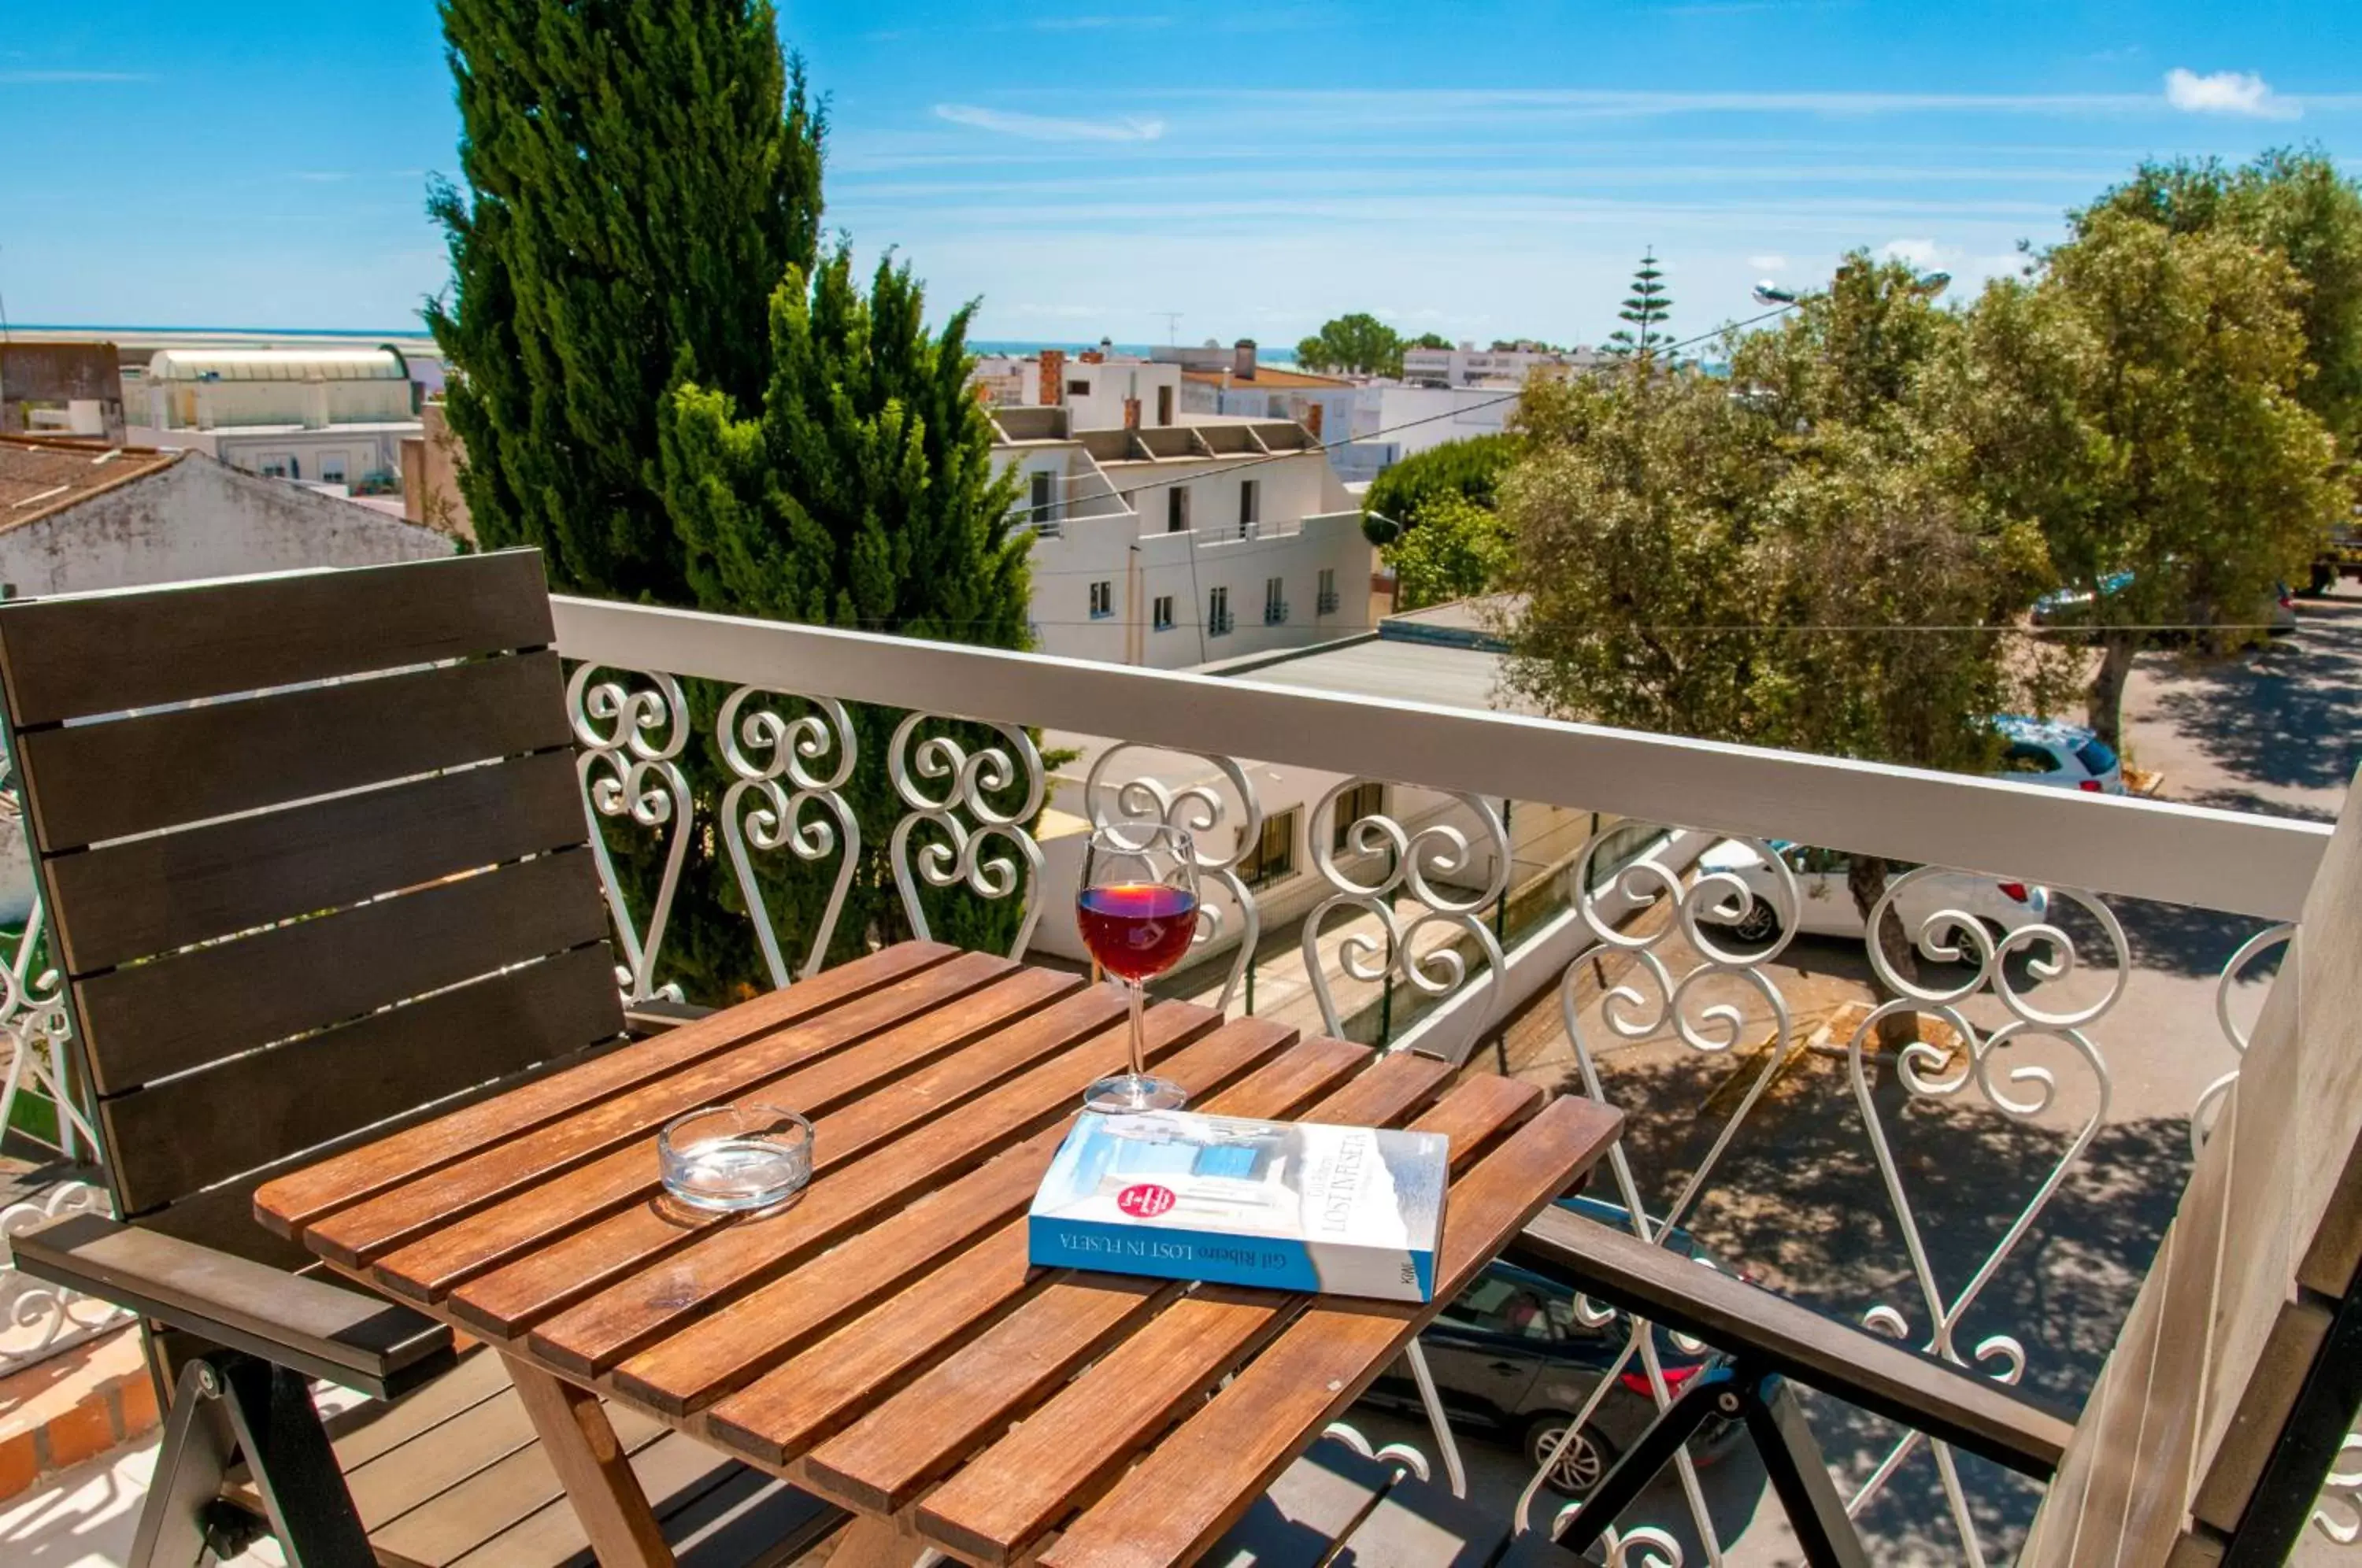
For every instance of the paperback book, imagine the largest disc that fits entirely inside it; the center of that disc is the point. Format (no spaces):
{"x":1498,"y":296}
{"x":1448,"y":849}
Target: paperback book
{"x":1292,"y":1204}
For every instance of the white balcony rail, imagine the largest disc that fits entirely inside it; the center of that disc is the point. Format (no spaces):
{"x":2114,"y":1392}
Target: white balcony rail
{"x":2023,"y":1059}
{"x":2135,"y":848}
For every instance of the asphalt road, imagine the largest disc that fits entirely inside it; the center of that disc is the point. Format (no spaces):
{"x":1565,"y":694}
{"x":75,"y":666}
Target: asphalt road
{"x":1799,"y":1195}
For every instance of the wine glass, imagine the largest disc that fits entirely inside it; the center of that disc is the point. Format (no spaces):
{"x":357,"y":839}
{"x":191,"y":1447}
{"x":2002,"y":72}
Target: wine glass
{"x":1138,"y":910}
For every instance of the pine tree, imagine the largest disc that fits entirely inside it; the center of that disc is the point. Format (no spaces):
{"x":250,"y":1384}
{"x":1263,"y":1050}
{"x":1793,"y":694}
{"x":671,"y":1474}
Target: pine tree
{"x":637,"y":176}
{"x":861,"y":492}
{"x":1645,"y":311}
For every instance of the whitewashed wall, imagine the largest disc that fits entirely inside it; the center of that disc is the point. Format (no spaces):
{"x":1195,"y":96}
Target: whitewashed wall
{"x":195,"y":519}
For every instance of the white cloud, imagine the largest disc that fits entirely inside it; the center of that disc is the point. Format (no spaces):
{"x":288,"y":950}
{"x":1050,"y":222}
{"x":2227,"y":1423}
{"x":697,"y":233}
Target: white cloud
{"x":1051,"y":127}
{"x":322,"y":176}
{"x":2226,"y":93}
{"x":1918,"y":252}
{"x":1773,"y":263}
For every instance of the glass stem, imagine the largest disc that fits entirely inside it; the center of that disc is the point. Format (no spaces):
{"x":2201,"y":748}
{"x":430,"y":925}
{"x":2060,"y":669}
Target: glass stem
{"x":1139,"y":1028}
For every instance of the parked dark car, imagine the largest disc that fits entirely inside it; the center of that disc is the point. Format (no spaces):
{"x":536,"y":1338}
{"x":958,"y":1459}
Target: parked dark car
{"x":1510,"y":1357}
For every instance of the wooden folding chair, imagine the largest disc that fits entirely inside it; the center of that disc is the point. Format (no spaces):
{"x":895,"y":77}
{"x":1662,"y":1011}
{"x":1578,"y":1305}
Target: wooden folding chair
{"x":317,"y":866}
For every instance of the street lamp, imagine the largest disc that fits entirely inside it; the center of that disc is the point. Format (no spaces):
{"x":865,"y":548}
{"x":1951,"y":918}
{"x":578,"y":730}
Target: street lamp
{"x":1927,"y":286}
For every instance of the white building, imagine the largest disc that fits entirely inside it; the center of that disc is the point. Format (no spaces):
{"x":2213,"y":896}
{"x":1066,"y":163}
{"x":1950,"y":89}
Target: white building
{"x":1469,"y":366}
{"x":1182,"y":545}
{"x":77,"y":516}
{"x":1099,"y":390}
{"x":328,"y":416}
{"x":1244,"y":389}
{"x":1391,"y":422}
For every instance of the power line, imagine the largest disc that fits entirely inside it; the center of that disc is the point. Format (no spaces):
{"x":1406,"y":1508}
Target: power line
{"x":1113,"y":494}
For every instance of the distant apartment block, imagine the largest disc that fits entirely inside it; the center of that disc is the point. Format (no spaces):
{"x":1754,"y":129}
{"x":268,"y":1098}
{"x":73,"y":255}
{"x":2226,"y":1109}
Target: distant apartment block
{"x":1469,"y":366}
{"x":1179,"y":546}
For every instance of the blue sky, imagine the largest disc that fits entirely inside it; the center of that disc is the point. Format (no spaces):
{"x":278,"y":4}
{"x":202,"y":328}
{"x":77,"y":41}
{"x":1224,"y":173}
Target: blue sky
{"x":1479,"y":170}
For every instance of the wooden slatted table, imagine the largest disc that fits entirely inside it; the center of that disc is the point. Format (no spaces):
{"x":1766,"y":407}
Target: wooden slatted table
{"x":882,"y":1341}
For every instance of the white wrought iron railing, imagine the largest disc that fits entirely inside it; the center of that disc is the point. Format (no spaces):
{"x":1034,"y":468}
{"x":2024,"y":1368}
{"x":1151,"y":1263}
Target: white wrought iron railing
{"x":2009,"y":1028}
{"x":40,"y":1099}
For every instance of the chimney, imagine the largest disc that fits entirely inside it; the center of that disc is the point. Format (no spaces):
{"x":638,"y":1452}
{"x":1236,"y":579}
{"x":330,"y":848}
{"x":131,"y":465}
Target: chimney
{"x":1053,"y":378}
{"x":1131,"y":414}
{"x":1242,"y":359}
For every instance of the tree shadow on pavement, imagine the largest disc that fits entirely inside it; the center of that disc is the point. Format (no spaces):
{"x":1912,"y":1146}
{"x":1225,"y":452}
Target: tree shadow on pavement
{"x":2256,"y":720}
{"x":1798,"y":1198}
{"x":2175,"y":937}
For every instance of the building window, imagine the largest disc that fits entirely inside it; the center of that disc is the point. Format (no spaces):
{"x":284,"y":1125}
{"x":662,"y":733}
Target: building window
{"x":1275,"y":601}
{"x":1272,"y":858}
{"x":1325,"y":602}
{"x":331,"y":467}
{"x":1176,"y":510}
{"x":1163,"y":405}
{"x":1102,"y":601}
{"x":275,"y":464}
{"x":1218,"y":613}
{"x":1250,"y":506}
{"x":1161,"y":613}
{"x":1046,"y":497}
{"x":1079,"y":388}
{"x":1367,"y":798}
{"x":1278,"y":406}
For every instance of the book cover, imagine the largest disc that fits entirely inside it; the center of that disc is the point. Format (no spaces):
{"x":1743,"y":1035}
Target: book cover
{"x":1292,"y":1204}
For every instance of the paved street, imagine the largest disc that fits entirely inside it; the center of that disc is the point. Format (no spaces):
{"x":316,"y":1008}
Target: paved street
{"x":1798,"y":1196}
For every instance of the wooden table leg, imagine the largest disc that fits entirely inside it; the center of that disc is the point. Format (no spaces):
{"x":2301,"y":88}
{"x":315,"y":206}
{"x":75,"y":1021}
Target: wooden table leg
{"x":872,"y":1542}
{"x":593,"y":1467}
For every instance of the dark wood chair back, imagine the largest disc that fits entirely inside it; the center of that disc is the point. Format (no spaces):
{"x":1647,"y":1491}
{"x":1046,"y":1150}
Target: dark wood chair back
{"x":315,"y":860}
{"x":2240,"y":1365}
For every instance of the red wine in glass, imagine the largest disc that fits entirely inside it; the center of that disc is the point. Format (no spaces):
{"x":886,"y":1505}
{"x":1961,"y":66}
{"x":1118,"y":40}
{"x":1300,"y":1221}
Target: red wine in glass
{"x":1137,"y":911}
{"x":1137,"y":930}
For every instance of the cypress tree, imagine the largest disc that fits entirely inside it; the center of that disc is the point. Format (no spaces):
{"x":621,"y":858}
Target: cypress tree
{"x":637,"y":175}
{"x":1644,"y":310}
{"x":860,"y":492}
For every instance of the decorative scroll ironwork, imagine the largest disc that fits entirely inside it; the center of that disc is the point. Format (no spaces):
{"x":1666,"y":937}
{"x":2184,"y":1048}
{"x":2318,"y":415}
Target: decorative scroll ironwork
{"x":971,"y":781}
{"x":2022,"y":1094}
{"x":2209,"y":1098}
{"x":1707,"y":915}
{"x":35,"y":1030}
{"x":39,"y":1320}
{"x":780,"y":766}
{"x":2338,"y":1515}
{"x":1401,"y":1453}
{"x":630,"y":727}
{"x":1203,"y":810}
{"x":1416,"y":864}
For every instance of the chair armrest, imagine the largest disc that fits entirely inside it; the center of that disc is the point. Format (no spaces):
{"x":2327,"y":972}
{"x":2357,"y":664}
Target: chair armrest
{"x":324,"y":1331}
{"x":1889,"y":1379}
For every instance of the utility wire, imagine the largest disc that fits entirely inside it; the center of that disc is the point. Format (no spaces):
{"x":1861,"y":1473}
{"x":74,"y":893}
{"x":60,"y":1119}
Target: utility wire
{"x":1113,"y":494}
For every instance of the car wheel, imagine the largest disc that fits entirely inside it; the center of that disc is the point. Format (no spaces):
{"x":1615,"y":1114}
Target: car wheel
{"x":1760,"y":924}
{"x":1580,"y":1467}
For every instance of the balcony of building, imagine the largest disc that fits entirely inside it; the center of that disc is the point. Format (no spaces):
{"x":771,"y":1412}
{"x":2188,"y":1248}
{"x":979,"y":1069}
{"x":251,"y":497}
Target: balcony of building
{"x":1968,"y":1138}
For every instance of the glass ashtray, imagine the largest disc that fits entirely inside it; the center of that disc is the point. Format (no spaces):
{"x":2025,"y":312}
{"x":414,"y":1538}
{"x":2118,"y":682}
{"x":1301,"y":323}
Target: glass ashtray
{"x":729,"y":1158}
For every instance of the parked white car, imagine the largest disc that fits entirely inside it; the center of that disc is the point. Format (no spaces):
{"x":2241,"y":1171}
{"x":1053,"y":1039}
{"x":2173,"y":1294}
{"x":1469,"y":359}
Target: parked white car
{"x":2065,"y":757}
{"x":1825,"y":905}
